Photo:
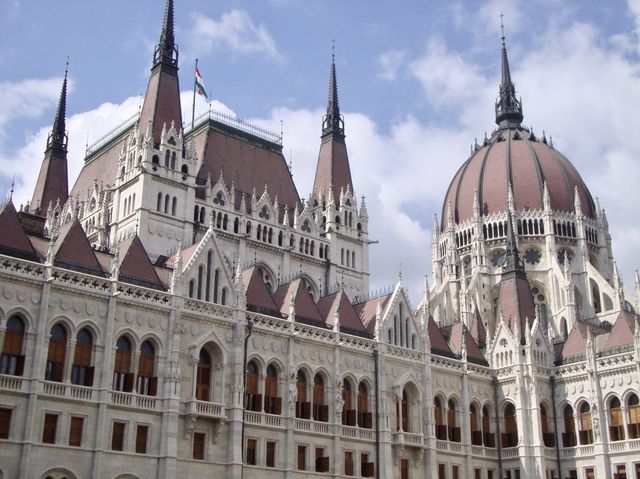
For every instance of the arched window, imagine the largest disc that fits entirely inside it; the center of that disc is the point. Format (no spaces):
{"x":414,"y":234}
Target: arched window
{"x":56,"y":354}
{"x":185,"y":170}
{"x":166,"y":204}
{"x":548,"y":438}
{"x":633,"y":409}
{"x":223,"y":296}
{"x":365,"y":418}
{"x":488,"y":438}
{"x":272,"y":402}
{"x":82,"y":371}
{"x":474,"y":422}
{"x":586,"y":429}
{"x":174,"y":205}
{"x":167,"y":156}
{"x":203,"y":377}
{"x":441,"y":428}
{"x":569,"y":434}
{"x":348,"y":411}
{"x":402,"y":412}
{"x":452,"y":422}
{"x":155,"y":160}
{"x":616,"y":420}
{"x":12,"y":359}
{"x":147,"y":380}
{"x":303,"y":407}
{"x":200,"y":280}
{"x":320,"y":410}
{"x":236,"y":225}
{"x":122,"y":375}
{"x":196,"y":213}
{"x":510,"y":436}
{"x":253,"y":400}
{"x":191,"y":288}
{"x":173,"y":160}
{"x":159,"y":205}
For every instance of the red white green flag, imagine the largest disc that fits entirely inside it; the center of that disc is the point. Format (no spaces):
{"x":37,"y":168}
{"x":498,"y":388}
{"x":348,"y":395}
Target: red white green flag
{"x":200,"y":85}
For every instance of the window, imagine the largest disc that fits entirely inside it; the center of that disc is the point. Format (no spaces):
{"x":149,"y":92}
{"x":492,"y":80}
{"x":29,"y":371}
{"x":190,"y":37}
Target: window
{"x":5,"y":422}
{"x":75,"y":431}
{"x":272,"y":403}
{"x":198,"y":445}
{"x":402,"y":412}
{"x":510,"y":436}
{"x":117,"y":436}
{"x":203,"y":380}
{"x":303,"y":408}
{"x":366,"y":467}
{"x":404,"y":468}
{"x":441,"y":428}
{"x":348,"y":412}
{"x":488,"y":438}
{"x":442,"y":471}
{"x":122,"y":376}
{"x":476,"y":433}
{"x":589,"y":473}
{"x":251,"y":455}
{"x":253,"y":400}
{"x":302,"y":458}
{"x":455,"y":472}
{"x":453,"y":429}
{"x":477,"y":473}
{"x":271,"y":454}
{"x":50,"y":428}
{"x":548,"y":438}
{"x":81,"y":371}
{"x":12,"y":359}
{"x":322,"y":462}
{"x":320,"y":410}
{"x":634,"y":417}
{"x":586,"y":431}
{"x":147,"y":381}
{"x":365,"y":418}
{"x":616,"y":423}
{"x":142,"y":434}
{"x":56,"y":354}
{"x":348,"y":463}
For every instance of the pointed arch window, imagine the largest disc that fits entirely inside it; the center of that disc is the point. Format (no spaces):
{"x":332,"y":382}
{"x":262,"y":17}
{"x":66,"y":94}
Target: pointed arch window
{"x":147,"y":380}
{"x":303,"y":407}
{"x":348,"y":411}
{"x":510,"y":436}
{"x":586,"y":428}
{"x":272,"y":402}
{"x":12,"y":359}
{"x":203,"y":376}
{"x":569,"y":434}
{"x":320,"y":410}
{"x":633,"y":408}
{"x":365,"y":418}
{"x":159,"y":205}
{"x":82,"y":371}
{"x":488,"y":437}
{"x":403,"y":411}
{"x":474,"y":422}
{"x":548,"y":438}
{"x":441,"y":428}
{"x":616,"y":420}
{"x":452,"y":422}
{"x":56,"y":354}
{"x":122,"y":375}
{"x":253,"y":400}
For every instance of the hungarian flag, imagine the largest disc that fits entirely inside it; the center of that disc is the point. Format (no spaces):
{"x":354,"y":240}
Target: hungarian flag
{"x":200,"y":85}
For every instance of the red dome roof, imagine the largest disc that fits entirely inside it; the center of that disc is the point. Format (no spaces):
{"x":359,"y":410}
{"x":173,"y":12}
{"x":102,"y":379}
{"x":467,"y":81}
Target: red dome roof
{"x":515,"y":156}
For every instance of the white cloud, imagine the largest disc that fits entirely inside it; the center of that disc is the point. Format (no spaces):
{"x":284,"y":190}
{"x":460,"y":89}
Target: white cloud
{"x":234,"y":31}
{"x":389,"y":63}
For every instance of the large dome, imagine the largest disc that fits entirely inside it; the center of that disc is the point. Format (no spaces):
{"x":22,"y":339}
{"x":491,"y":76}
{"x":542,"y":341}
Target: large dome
{"x":515,"y":156}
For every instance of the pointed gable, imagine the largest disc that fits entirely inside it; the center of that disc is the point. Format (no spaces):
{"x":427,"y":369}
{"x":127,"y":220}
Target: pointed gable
{"x":622,"y":331}
{"x":516,"y":301}
{"x":456,"y":333}
{"x":306,"y":310}
{"x":477,"y":330}
{"x":575,"y":344}
{"x":439,"y":345}
{"x":73,"y":251}
{"x":135,"y":265}
{"x":349,"y":319}
{"x":258,"y":298}
{"x":13,"y":240}
{"x":367,"y":311}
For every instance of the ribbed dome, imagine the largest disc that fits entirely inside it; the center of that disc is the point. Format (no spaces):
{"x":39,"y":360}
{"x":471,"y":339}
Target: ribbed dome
{"x":514,"y":156}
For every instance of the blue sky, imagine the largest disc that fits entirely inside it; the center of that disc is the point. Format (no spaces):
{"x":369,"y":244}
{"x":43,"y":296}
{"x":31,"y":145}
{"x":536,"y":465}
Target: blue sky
{"x":417,"y":81}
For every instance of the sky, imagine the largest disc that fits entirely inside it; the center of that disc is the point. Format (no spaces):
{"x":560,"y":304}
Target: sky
{"x":417,"y":82}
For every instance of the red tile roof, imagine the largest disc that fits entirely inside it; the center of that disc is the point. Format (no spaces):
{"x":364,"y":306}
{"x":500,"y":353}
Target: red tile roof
{"x":454,"y":333}
{"x":516,"y":301}
{"x":333,"y":167}
{"x":367,"y":311}
{"x":13,"y":240}
{"x":304,"y":305}
{"x":622,"y":331}
{"x":258,"y":298}
{"x":161,"y":102}
{"x":438,"y":343}
{"x":135,"y":265}
{"x":477,"y":330}
{"x":349,"y":319}
{"x":72,"y":250}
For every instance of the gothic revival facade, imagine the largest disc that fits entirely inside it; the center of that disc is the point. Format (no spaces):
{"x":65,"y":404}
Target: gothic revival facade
{"x":183,"y":311}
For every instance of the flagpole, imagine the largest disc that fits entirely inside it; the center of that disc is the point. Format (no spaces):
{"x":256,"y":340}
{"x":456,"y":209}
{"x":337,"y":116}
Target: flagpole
{"x":193,"y":108}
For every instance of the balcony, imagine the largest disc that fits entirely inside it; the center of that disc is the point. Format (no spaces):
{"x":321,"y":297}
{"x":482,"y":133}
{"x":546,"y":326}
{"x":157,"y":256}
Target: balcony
{"x":206,"y":409}
{"x":357,"y":433}
{"x":402,"y":438}
{"x":263,"y":419}
{"x":134,"y":401}
{"x":68,"y":391}
{"x":11,"y":383}
{"x":307,"y":425}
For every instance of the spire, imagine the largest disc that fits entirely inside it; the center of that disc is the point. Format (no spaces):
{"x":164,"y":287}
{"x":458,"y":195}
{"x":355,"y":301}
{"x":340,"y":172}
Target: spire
{"x":166,"y":51}
{"x":161,"y":105}
{"x":508,"y":107}
{"x":58,"y":136}
{"x":333,"y":121}
{"x":333,"y":172}
{"x":512,"y":261}
{"x":52,"y":185}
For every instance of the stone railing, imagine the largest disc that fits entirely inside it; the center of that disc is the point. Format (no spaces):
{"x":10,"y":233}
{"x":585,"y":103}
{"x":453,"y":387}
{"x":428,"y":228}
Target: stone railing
{"x":207,"y":409}
{"x":11,"y":383}
{"x":312,"y":426}
{"x":134,"y":401}
{"x":272,"y":420}
{"x":358,"y":433}
{"x":508,"y":452}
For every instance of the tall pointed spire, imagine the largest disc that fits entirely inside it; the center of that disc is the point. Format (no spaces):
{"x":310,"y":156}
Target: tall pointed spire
{"x":508,"y":107}
{"x":333,"y":121}
{"x":166,"y":51}
{"x":332,"y":171}
{"x":512,"y":261}
{"x":161,"y":106}
{"x":53,"y":184}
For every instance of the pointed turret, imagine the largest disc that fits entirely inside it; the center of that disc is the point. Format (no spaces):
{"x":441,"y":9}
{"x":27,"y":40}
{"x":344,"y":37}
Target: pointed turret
{"x":332,"y":170}
{"x":508,"y":107}
{"x":162,"y":100}
{"x":52,"y":185}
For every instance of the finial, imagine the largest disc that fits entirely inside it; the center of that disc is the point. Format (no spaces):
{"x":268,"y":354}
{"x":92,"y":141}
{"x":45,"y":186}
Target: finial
{"x":13,"y":184}
{"x":333,"y":121}
{"x":502,"y":28}
{"x":166,"y":51}
{"x":508,"y":107}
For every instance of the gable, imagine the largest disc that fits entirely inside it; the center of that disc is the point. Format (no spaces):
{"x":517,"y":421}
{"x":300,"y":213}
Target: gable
{"x":304,"y":305}
{"x":349,"y":319}
{"x":13,"y":240}
{"x":622,"y":331}
{"x":73,"y":251}
{"x":258,"y":297}
{"x":135,"y":265}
